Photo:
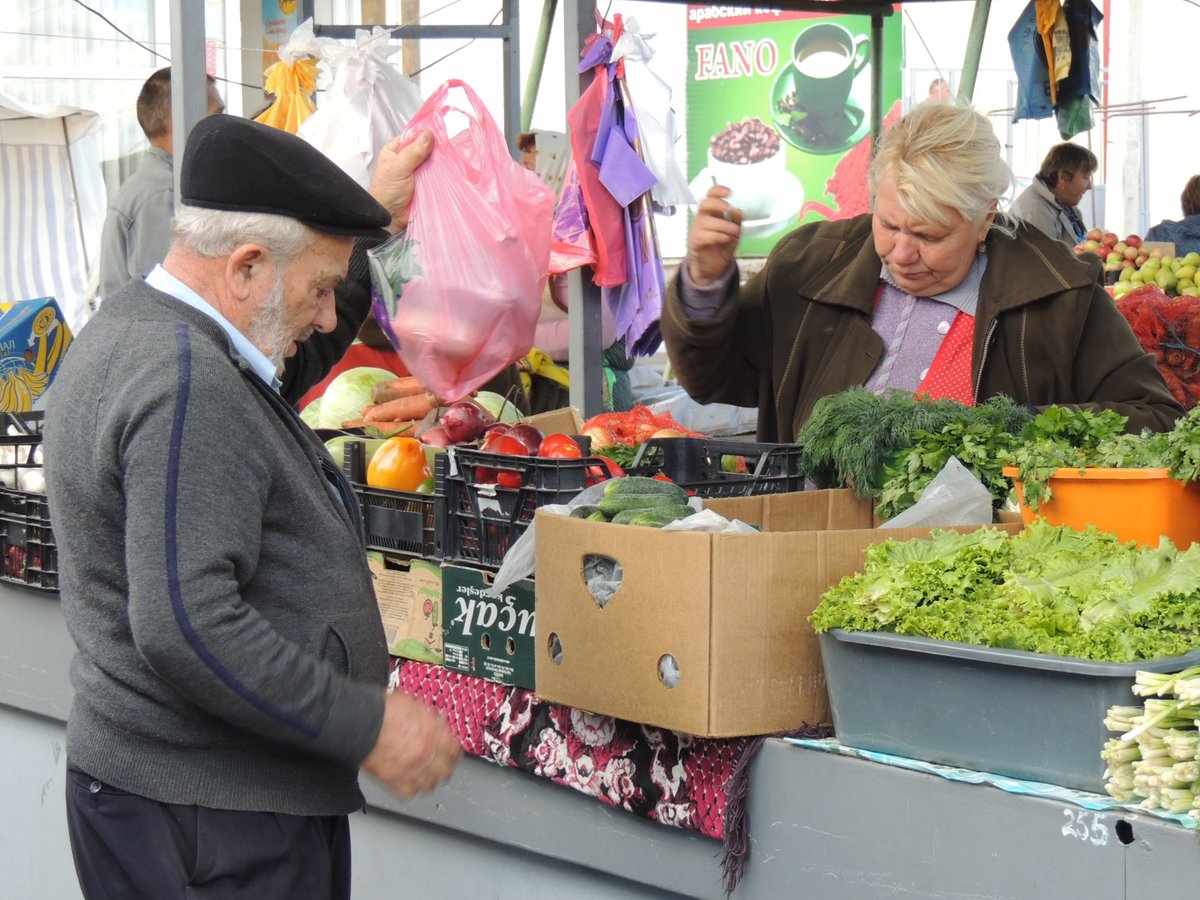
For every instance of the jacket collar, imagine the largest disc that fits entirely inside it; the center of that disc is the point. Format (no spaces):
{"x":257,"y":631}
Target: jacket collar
{"x":1021,"y":270}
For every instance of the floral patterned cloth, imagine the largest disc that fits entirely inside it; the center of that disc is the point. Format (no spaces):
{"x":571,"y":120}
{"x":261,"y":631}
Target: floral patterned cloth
{"x":672,"y":778}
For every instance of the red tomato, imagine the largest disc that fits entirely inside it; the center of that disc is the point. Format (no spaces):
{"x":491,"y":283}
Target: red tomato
{"x":559,"y":446}
{"x":596,"y":473}
{"x":509,"y":446}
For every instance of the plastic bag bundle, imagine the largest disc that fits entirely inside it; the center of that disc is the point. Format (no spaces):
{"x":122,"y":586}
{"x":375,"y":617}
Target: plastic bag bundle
{"x":368,"y":103}
{"x":459,"y":291}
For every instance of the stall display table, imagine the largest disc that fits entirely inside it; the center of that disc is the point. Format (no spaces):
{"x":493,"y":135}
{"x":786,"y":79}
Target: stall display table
{"x":821,"y":825}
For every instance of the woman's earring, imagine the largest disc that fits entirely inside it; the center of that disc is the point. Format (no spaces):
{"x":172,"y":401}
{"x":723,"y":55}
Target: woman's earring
{"x":981,"y":247}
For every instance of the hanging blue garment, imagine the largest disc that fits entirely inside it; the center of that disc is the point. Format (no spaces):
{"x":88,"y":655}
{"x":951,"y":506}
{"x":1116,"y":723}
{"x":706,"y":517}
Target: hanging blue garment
{"x":1083,"y":80}
{"x":1031,"y":67}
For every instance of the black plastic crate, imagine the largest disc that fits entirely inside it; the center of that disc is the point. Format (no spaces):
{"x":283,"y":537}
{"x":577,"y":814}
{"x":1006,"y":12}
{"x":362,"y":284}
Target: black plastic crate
{"x":696,"y":465}
{"x":398,"y":523}
{"x":483,"y":519}
{"x":27,"y":549}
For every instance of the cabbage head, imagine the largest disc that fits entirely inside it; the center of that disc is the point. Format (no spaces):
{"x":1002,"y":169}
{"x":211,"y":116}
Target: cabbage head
{"x":348,"y":393}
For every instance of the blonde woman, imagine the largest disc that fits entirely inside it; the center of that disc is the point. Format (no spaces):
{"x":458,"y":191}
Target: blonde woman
{"x":935,"y":291}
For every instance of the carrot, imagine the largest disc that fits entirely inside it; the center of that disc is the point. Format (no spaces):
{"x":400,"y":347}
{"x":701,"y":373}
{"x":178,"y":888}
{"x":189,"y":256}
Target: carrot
{"x":414,"y":406}
{"x":406,"y":386}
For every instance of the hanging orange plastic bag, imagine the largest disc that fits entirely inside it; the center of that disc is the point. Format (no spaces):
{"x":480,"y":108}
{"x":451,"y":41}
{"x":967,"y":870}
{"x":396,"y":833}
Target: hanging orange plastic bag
{"x":459,"y":291}
{"x":293,"y":79}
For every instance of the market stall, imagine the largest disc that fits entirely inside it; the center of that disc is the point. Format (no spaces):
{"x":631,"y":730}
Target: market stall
{"x":694,"y":800}
{"x":846,"y":827}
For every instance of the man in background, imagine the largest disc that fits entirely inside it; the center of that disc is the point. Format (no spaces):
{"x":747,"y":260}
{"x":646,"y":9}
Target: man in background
{"x":939,"y":91}
{"x":137,"y":230}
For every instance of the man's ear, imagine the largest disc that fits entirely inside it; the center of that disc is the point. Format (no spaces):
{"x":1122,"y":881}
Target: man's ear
{"x":245,"y":269}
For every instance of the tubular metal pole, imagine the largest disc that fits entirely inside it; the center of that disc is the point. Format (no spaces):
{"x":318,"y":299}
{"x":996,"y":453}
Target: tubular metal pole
{"x":533,"y":82}
{"x":189,"y":86}
{"x":970,"y":70}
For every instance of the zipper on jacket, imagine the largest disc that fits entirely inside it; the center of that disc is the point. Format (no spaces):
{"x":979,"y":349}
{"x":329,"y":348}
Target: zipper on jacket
{"x":987,"y":343}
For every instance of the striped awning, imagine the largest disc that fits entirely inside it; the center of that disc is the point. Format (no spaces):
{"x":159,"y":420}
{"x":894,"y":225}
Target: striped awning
{"x":52,"y":204}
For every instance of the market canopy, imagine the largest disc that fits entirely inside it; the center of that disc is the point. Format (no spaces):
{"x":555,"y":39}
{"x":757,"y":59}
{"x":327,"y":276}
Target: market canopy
{"x":52,"y":199}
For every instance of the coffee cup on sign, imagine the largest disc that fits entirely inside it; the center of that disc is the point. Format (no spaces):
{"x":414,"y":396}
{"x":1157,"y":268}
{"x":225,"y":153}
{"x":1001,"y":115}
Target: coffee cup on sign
{"x":826,"y":58}
{"x":748,"y":158}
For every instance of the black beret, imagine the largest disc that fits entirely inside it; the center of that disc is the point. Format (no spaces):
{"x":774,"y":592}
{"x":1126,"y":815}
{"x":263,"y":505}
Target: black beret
{"x":244,"y":166}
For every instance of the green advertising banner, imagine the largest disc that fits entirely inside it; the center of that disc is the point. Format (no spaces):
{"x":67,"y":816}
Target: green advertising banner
{"x":779,"y":111}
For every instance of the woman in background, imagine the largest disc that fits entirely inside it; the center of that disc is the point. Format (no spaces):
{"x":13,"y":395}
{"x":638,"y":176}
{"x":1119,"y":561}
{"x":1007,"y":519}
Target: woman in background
{"x":1051,"y":203}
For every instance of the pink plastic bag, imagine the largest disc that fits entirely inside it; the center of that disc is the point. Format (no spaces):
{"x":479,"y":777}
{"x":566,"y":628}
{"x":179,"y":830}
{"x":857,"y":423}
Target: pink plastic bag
{"x":459,"y":292}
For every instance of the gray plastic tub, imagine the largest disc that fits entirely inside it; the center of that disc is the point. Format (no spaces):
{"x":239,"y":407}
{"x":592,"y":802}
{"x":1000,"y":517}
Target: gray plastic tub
{"x":1025,"y":715}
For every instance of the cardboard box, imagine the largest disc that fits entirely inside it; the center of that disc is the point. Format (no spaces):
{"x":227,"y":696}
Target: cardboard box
{"x":492,"y":638}
{"x":557,"y":421}
{"x":731,"y":610}
{"x":409,"y":595}
{"x":33,"y":339}
{"x":1167,"y":247}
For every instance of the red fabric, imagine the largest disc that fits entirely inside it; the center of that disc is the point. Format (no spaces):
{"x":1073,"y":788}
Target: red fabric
{"x":358,"y":355}
{"x":949,"y":375}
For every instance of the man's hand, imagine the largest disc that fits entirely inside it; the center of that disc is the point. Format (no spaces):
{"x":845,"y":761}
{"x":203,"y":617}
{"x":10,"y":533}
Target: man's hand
{"x":415,"y":751}
{"x":713,"y":238}
{"x":394,"y":178}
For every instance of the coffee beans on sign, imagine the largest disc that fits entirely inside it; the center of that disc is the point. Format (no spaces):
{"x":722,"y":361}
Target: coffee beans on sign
{"x":748,"y":141}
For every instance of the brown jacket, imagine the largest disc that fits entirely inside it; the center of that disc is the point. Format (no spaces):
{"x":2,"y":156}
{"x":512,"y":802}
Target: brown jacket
{"x":1046,"y":332}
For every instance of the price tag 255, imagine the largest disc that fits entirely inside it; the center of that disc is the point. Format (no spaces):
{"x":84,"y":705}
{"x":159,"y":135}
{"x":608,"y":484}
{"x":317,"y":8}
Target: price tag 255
{"x":1085,"y":825}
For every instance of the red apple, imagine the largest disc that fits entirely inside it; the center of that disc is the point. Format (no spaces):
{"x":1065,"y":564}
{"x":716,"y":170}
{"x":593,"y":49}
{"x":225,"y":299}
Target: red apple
{"x":1133,"y":241}
{"x":465,"y":421}
{"x":1094,"y":235}
{"x":1109,"y":239}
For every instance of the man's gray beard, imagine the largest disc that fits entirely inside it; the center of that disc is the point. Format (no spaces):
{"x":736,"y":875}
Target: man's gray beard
{"x":268,"y":326}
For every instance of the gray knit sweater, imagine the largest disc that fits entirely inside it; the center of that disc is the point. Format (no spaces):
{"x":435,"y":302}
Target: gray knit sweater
{"x":230,"y":652}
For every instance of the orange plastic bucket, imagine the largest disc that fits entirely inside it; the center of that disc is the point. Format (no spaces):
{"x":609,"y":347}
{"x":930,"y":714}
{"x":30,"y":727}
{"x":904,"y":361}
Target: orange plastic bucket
{"x":1140,"y":505}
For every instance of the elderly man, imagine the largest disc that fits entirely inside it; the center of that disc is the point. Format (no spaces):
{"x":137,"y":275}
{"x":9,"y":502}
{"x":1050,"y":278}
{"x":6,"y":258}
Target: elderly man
{"x":231,"y":666}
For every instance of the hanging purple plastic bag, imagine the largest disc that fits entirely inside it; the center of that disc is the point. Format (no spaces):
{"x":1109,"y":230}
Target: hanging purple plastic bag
{"x":459,"y":291}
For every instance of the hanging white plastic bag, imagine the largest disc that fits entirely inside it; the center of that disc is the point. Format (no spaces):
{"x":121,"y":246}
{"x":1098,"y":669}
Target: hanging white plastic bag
{"x":368,"y":102}
{"x":954,"y":497}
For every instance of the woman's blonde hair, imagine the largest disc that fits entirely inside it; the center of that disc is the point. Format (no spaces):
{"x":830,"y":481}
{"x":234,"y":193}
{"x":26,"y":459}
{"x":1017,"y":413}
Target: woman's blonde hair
{"x":944,"y":155}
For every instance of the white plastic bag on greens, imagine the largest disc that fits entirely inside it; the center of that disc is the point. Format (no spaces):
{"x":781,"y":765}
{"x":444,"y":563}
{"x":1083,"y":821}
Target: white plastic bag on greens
{"x":954,"y":497}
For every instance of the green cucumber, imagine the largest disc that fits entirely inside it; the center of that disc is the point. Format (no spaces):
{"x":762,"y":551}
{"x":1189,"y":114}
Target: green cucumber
{"x":639,"y":485}
{"x":657,"y":518}
{"x":615,"y":503}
